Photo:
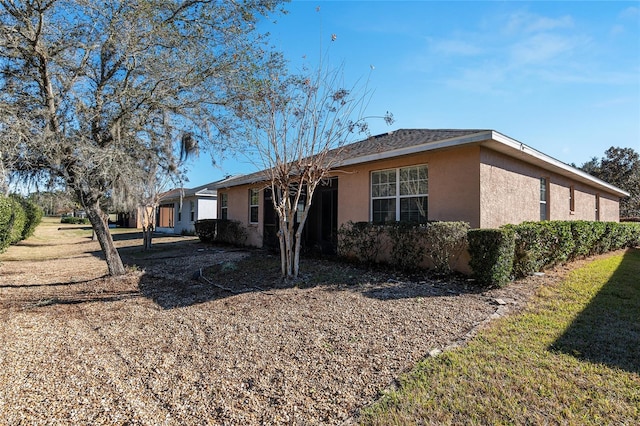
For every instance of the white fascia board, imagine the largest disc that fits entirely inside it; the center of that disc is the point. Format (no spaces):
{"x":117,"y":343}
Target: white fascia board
{"x":558,"y":165}
{"x":244,"y":180}
{"x":415,"y":149}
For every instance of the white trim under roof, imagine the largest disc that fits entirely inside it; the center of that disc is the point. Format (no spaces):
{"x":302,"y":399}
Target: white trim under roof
{"x":487,"y":138}
{"x":531,"y":155}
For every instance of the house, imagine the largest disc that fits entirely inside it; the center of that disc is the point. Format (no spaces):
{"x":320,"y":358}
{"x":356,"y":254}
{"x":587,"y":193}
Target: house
{"x":180,"y":208}
{"x":478,"y":176}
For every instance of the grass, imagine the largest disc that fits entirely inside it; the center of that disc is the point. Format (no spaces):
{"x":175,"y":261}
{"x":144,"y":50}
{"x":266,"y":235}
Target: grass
{"x":573,"y":357}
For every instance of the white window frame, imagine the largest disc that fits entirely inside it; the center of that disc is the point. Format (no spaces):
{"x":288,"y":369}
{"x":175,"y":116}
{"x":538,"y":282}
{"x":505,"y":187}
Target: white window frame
{"x":252,"y":205}
{"x":224,"y":206}
{"x":544,"y":201}
{"x":396,"y":191}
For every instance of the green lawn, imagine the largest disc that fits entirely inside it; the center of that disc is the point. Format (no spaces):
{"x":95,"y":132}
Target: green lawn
{"x":573,"y":357}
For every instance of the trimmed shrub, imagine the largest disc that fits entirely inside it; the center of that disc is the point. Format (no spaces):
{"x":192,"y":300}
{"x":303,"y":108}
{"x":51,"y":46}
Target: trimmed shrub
{"x":74,"y":220}
{"x":445,"y":242}
{"x":492,"y":255}
{"x":34,"y":217}
{"x":633,"y":234}
{"x":361,"y":241}
{"x":584,"y":238}
{"x":527,"y":257}
{"x":557,"y":242}
{"x":6,"y":222}
{"x":206,"y":230}
{"x":408,"y":242}
{"x":230,"y":232}
{"x":19,"y":220}
{"x":221,"y":231}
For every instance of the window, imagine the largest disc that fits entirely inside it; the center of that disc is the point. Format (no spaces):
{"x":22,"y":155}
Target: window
{"x":400,"y":194}
{"x":224,"y":200}
{"x":598,"y":207}
{"x":192,"y":206}
{"x":254,"y":197}
{"x":544,"y":194}
{"x":180,"y":215}
{"x":572,"y":199}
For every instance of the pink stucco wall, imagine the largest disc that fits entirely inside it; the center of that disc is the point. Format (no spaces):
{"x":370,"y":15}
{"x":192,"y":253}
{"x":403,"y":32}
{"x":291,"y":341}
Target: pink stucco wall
{"x":238,"y":209}
{"x":454,"y":187}
{"x":472,"y":183}
{"x":510,"y":193}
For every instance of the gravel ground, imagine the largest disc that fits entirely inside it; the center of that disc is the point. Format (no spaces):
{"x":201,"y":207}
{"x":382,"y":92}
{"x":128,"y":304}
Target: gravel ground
{"x":233,"y":346}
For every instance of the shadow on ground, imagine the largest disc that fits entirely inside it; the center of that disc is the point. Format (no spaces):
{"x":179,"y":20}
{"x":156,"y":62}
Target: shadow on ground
{"x":607,"y":331}
{"x":260,"y":272}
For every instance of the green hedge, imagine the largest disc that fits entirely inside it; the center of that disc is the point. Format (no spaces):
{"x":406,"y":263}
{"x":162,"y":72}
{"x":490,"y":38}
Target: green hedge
{"x":540,"y":245}
{"x":6,"y":222}
{"x":361,"y":241}
{"x":492,"y":253}
{"x":34,"y":217}
{"x":408,"y":244}
{"x":221,"y":231}
{"x":74,"y":220}
{"x":18,"y":219}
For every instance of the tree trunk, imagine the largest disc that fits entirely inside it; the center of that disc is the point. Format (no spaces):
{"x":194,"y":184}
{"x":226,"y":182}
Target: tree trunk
{"x":100,"y":226}
{"x":147,"y":236}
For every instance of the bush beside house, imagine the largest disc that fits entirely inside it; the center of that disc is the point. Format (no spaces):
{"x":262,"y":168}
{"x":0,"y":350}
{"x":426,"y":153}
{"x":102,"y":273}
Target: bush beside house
{"x":220,"y":231}
{"x":496,"y":255}
{"x":492,"y":252}
{"x":405,"y":246}
{"x":541,"y":245}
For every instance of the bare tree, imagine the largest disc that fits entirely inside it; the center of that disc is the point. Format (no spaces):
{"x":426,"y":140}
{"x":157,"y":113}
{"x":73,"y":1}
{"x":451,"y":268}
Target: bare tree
{"x":299,"y":129}
{"x":91,"y":92}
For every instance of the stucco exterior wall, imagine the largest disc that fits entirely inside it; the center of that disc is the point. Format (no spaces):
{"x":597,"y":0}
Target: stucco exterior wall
{"x":510,"y":193}
{"x":609,"y":208}
{"x":238,"y":209}
{"x":454,"y":187}
{"x":472,"y":183}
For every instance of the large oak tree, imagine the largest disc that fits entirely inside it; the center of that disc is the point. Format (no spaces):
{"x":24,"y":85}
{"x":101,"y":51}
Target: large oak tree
{"x":93,"y":94}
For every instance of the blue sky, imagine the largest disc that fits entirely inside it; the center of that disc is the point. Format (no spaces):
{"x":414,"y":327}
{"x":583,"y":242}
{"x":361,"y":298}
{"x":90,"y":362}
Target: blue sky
{"x":562,"y":76}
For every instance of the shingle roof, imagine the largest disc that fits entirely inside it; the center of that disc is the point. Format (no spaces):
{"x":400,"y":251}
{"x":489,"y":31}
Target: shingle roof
{"x":409,"y":141}
{"x":402,"y":138}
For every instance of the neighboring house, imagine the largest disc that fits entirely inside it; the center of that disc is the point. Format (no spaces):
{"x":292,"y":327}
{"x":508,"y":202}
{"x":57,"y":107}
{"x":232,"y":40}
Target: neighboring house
{"x":478,"y":176}
{"x":180,"y":208}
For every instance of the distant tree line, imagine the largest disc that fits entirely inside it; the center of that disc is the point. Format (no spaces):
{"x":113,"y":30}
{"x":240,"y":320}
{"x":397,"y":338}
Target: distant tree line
{"x":619,"y":167}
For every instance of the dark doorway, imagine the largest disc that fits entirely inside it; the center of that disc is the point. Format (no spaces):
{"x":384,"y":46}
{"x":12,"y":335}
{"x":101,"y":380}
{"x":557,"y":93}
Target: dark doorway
{"x":270,"y":222}
{"x":321,"y":229}
{"x":320,"y":234}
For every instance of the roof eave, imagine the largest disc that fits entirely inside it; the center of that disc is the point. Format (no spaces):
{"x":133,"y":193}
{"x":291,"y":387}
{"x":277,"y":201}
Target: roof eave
{"x":514,"y":148}
{"x":415,"y":149}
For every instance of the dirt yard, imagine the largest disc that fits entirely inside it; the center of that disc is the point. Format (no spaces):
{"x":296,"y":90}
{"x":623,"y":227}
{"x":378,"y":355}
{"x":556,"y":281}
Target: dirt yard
{"x":197,"y":334}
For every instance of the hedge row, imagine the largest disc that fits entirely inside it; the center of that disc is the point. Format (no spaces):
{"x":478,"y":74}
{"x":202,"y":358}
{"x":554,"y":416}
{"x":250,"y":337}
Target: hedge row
{"x":407,"y":245}
{"x":18,"y":219}
{"x":540,"y":245}
{"x":221,"y":231}
{"x":74,"y":220}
